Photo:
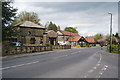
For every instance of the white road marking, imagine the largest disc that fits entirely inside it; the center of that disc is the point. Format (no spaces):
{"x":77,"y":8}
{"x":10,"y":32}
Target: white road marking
{"x":94,"y":67}
{"x":100,"y":73}
{"x":76,"y":52}
{"x":106,"y":66}
{"x":4,"y":68}
{"x":104,"y":69}
{"x":60,"y":56}
{"x":90,"y":71}
{"x":85,"y":76}
{"x":19,"y":65}
{"x":98,"y":65}
{"x":32,"y":62}
{"x":99,"y":76}
{"x":66,"y":55}
{"x":100,"y":59}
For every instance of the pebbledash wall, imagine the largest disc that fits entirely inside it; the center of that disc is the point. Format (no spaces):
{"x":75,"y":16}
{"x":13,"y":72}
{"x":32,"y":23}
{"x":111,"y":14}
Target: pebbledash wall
{"x":31,"y":49}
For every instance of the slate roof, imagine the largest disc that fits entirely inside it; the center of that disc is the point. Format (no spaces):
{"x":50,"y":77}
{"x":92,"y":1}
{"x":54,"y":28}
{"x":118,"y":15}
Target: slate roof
{"x":29,"y":24}
{"x":51,"y":34}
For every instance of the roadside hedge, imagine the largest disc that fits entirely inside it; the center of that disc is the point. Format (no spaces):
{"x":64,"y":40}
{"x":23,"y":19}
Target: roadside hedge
{"x":115,"y":48}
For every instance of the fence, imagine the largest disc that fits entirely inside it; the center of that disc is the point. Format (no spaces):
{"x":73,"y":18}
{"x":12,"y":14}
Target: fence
{"x":31,"y":49}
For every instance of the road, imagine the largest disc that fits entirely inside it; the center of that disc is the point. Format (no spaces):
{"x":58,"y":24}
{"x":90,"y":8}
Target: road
{"x":70,"y":63}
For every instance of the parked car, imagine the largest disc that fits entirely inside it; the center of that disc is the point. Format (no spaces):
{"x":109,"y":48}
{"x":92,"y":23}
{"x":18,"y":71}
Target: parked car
{"x":15,"y":44}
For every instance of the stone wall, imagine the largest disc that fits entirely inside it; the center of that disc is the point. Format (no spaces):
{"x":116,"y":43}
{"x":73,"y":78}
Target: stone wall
{"x":30,"y":49}
{"x":25,"y":49}
{"x":61,"y":47}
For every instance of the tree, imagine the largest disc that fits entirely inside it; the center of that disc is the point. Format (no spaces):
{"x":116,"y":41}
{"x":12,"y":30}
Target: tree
{"x":58,"y":27}
{"x":98,"y":36}
{"x":117,"y":36}
{"x":71,"y":29}
{"x":8,"y":15}
{"x":52,"y":26}
{"x":114,"y":38}
{"x":27,"y":16}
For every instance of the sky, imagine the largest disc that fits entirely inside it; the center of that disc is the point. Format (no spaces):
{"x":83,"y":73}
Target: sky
{"x":89,"y":18}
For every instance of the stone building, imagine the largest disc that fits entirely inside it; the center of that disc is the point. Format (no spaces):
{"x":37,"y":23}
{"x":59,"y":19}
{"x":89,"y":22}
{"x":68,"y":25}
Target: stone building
{"x":32,"y":34}
{"x":51,"y":37}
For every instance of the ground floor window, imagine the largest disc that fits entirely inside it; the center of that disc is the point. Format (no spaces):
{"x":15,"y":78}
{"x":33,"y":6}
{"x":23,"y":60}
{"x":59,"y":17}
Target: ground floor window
{"x":23,"y":40}
{"x":32,"y":41}
{"x":41,"y":41}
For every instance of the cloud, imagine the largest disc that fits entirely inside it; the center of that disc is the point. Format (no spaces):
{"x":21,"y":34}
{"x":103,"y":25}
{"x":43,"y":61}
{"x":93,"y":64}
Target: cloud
{"x":86,"y":33}
{"x":67,"y":0}
{"x":89,"y":17}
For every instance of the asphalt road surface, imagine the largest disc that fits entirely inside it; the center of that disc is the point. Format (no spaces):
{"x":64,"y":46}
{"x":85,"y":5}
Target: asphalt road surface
{"x":70,"y":63}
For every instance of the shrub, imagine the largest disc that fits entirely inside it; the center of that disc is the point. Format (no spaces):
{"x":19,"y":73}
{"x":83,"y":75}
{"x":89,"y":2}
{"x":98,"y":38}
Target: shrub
{"x":86,"y":45}
{"x":78,"y":46}
{"x":47,"y":44}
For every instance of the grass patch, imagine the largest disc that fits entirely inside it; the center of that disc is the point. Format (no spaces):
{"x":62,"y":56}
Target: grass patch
{"x":115,"y":48}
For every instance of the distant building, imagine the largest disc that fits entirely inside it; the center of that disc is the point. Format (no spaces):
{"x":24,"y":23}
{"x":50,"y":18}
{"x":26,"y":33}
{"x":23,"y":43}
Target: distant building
{"x":65,"y":37}
{"x":90,"y":40}
{"x":77,"y":40}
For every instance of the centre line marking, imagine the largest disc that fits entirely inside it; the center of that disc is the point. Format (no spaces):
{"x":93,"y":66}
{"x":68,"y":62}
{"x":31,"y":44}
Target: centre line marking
{"x":85,"y":76}
{"x":19,"y":65}
{"x":100,"y":59}
{"x":95,"y":68}
{"x":98,"y":65}
{"x":90,"y":71}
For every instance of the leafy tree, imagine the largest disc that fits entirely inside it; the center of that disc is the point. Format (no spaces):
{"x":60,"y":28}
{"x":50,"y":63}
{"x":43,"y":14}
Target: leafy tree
{"x":52,"y":26}
{"x":114,"y":38}
{"x":71,"y":29}
{"x":98,"y":36}
{"x":117,"y":36}
{"x":27,"y":16}
{"x":58,"y":27}
{"x":8,"y":15}
{"x":107,"y":37}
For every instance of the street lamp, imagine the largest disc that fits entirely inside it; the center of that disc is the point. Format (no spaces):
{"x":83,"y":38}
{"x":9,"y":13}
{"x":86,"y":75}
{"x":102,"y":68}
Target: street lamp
{"x":110,"y":31}
{"x":70,"y":37}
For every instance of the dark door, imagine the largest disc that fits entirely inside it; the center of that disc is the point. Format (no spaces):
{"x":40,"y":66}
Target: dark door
{"x":52,"y":41}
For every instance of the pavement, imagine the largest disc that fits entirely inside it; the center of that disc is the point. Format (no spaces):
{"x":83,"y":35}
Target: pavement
{"x":27,"y":54}
{"x":70,"y":63}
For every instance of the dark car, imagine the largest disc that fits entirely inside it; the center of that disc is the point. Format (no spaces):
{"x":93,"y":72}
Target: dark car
{"x":15,"y":44}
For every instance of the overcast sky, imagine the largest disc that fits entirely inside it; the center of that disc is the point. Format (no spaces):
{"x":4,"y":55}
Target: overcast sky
{"x":89,"y":18}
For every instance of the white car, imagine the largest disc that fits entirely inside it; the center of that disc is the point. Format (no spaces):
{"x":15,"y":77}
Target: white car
{"x":63,"y":43}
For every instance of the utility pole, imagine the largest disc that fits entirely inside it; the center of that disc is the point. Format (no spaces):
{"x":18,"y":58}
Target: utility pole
{"x":70,"y":37}
{"x":110,"y":32}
